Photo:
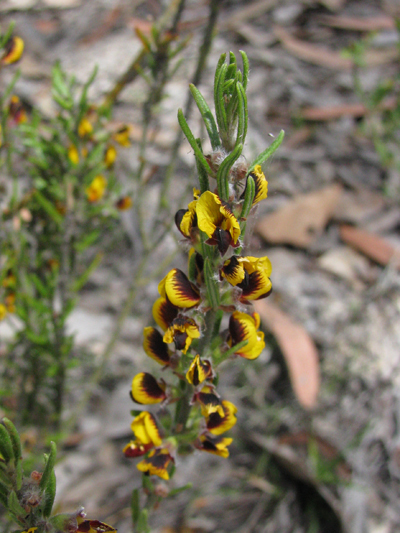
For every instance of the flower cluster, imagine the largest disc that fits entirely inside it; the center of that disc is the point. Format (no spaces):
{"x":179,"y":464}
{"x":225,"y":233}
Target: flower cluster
{"x":214,"y":233}
{"x":204,"y":317}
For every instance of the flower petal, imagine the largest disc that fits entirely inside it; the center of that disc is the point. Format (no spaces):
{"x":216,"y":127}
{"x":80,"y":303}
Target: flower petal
{"x":13,"y":50}
{"x":217,"y":424}
{"x":145,"y":429}
{"x":182,"y":331}
{"x":233,"y":271}
{"x":156,"y":463}
{"x":146,"y":389}
{"x":209,"y":402}
{"x":155,"y":347}
{"x":178,"y":289}
{"x":136,"y":449}
{"x":215,"y":444}
{"x":244,"y":327}
{"x":164,"y":312}
{"x":261,"y":184}
{"x":198,"y":371}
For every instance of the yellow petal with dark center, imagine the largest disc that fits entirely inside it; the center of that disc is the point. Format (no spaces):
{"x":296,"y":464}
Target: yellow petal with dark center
{"x":154,"y":346}
{"x":233,"y":271}
{"x":122,"y":136}
{"x":146,"y":389}
{"x":209,"y":216}
{"x":261,"y":184}
{"x":164,"y":313}
{"x":156,"y":463}
{"x":244,"y":327}
{"x":110,"y":156}
{"x":217,"y":424}
{"x":209,"y":402}
{"x":215,"y":444}
{"x":182,"y":331}
{"x":188,"y":219}
{"x":198,"y":371}
{"x":145,"y":429}
{"x":13,"y":50}
{"x":178,"y":289}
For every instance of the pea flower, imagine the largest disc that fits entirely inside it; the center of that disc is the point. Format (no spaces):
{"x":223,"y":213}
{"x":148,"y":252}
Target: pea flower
{"x":156,"y":463}
{"x":3,"y":312}
{"x":244,"y":327}
{"x":251,"y":274}
{"x":261,"y":185}
{"x":96,"y":189}
{"x":210,"y":403}
{"x":217,"y":221}
{"x":198,"y":371}
{"x":73,"y":154}
{"x":155,"y":347}
{"x":13,"y":51}
{"x":121,"y":136}
{"x":85,"y":128}
{"x":124,"y":203}
{"x":178,"y":289}
{"x":147,"y":390}
{"x":147,"y":435}
{"x":217,"y":424}
{"x":214,"y":444}
{"x":182,"y":331}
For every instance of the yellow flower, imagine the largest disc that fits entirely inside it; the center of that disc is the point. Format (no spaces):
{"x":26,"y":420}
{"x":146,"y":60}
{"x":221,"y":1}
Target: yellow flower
{"x":13,"y":51}
{"x":124,"y":203}
{"x":73,"y":154}
{"x":198,"y":371}
{"x":251,"y":274}
{"x":209,"y":402}
{"x":164,"y":312}
{"x":261,"y":184}
{"x":178,"y":289}
{"x":155,"y":347}
{"x":217,"y":221}
{"x":110,"y":156}
{"x":244,"y":327}
{"x":89,"y":526}
{"x":182,"y":331}
{"x":145,"y":429}
{"x":121,"y":136}
{"x":3,"y":312}
{"x":96,"y":189}
{"x":147,"y":390}
{"x":16,"y":110}
{"x":10,"y":302}
{"x":85,"y":128}
{"x":156,"y":463}
{"x":217,"y":424}
{"x":214,"y":444}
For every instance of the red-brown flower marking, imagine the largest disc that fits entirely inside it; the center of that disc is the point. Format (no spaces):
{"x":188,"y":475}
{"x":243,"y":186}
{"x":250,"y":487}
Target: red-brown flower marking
{"x":155,"y":347}
{"x":217,"y":424}
{"x":199,"y":371}
{"x":12,"y":51}
{"x":214,"y":444}
{"x":178,"y":289}
{"x":244,"y":327}
{"x":209,"y":402}
{"x":251,"y":274}
{"x":156,"y":463}
{"x":92,"y":526}
{"x":147,"y":390}
{"x":261,"y":185}
{"x":164,"y":312}
{"x":182,"y":331}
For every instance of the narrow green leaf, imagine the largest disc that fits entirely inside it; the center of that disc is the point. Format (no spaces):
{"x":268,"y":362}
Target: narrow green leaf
{"x":242,"y":114}
{"x":58,"y":81}
{"x":142,"y":523}
{"x":41,"y":288}
{"x":268,"y":152}
{"x":203,"y":177}
{"x":219,"y":102}
{"x":246,"y":68}
{"x":83,"y":98}
{"x":223,"y":172}
{"x":48,"y":207}
{"x":192,"y":141}
{"x":178,"y":490}
{"x":10,"y":87}
{"x":6,"y":37}
{"x":14,"y":506}
{"x":248,"y":197}
{"x":3,"y":495}
{"x":65,"y":103}
{"x":49,"y":467}
{"x":207,"y":116}
{"x":211,"y":284}
{"x":80,"y":282}
{"x":50,"y":495}
{"x":6,"y":447}
{"x":14,"y":436}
